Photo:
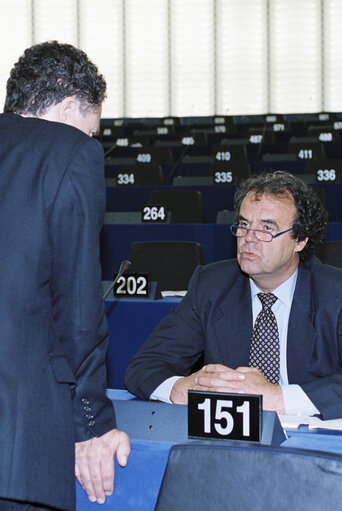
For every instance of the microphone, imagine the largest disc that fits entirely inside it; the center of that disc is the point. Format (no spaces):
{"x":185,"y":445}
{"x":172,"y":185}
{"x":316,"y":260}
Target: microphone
{"x":123,"y":267}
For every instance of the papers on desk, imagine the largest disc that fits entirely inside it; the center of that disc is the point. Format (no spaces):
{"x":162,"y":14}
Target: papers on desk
{"x":294,"y":421}
{"x":173,"y":293}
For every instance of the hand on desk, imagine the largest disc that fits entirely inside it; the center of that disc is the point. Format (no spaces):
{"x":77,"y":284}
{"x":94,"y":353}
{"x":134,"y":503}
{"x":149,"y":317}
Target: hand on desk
{"x":179,"y":392}
{"x":219,"y":378}
{"x":94,"y":463}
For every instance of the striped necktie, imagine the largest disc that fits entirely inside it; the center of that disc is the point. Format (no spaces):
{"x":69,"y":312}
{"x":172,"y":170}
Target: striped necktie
{"x":264,"y":350}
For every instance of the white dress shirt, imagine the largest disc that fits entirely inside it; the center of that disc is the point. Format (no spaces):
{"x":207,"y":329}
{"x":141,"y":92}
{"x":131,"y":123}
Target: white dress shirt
{"x":296,"y":402}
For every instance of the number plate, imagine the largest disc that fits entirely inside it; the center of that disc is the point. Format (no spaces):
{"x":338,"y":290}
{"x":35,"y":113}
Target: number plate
{"x":125,"y":179}
{"x":132,"y":285}
{"x":224,"y":416}
{"x":328,"y":175}
{"x":223,"y":177}
{"x":154,"y":214}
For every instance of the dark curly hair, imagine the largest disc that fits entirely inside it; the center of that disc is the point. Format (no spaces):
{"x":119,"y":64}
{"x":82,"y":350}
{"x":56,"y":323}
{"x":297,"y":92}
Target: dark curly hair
{"x":49,"y":72}
{"x":311,"y":217}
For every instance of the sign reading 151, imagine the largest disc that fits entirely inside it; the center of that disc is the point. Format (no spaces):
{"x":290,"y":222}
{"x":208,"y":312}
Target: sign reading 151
{"x":224,"y":416}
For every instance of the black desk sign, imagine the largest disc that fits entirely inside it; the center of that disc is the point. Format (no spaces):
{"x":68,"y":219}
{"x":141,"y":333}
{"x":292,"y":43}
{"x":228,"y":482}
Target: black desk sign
{"x":224,"y":416}
{"x":132,"y":285}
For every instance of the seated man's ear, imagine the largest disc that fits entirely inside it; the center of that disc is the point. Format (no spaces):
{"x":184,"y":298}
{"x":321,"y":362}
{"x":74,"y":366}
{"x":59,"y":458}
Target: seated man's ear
{"x":300,"y":245}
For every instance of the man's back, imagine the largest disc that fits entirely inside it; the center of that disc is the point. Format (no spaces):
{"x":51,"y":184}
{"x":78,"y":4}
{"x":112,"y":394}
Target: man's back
{"x":41,"y":195}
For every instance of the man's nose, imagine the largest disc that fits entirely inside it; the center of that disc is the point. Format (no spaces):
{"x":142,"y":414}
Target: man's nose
{"x":250,"y":236}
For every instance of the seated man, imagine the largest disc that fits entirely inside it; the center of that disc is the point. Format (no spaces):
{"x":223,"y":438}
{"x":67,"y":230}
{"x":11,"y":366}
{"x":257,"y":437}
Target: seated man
{"x":269,"y":322}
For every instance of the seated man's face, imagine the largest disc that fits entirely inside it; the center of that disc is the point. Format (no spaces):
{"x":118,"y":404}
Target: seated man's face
{"x":269,"y":263}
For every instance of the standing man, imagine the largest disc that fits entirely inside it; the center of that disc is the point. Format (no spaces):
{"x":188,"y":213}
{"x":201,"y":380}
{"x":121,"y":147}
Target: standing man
{"x":269,"y":322}
{"x":55,"y":417}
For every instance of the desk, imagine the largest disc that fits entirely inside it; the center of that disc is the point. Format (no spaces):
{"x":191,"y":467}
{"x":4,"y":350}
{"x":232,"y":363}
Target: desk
{"x":130,"y":323}
{"x":138,"y":484}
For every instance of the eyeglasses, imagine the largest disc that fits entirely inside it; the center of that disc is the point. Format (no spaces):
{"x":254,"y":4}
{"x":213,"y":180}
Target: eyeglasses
{"x":241,"y":232}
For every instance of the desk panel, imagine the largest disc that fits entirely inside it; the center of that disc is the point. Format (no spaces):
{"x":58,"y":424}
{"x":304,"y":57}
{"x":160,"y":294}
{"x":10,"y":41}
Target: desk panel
{"x":137,"y":485}
{"x":130,"y":323}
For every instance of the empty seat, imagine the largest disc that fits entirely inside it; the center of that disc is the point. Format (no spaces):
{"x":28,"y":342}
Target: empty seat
{"x":331,"y":253}
{"x":284,"y":479}
{"x":230,"y":172}
{"x":169,"y":263}
{"x":226,"y":217}
{"x":186,"y":206}
{"x":229,"y":152}
{"x":306,"y":149}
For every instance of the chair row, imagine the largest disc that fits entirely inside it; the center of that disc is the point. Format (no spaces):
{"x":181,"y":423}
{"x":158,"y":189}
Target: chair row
{"x":205,"y":128}
{"x":171,"y":263}
{"x":191,"y":204}
{"x":215,"y":239}
{"x":218,"y":173}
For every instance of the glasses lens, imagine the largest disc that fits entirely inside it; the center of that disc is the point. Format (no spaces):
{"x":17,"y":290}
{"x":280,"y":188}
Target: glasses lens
{"x":263,"y":235}
{"x":238,"y":231}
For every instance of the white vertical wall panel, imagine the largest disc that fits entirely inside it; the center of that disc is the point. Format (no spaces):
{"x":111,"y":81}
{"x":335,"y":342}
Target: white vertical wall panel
{"x":332,"y":56}
{"x":146,"y":58}
{"x":295,"y":56}
{"x":192,"y":62}
{"x":15,"y":36}
{"x":55,"y":20}
{"x":241,"y":57}
{"x":102,"y":37}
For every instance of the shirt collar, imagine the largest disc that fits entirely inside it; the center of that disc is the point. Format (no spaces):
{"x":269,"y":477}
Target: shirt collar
{"x":284,"y":292}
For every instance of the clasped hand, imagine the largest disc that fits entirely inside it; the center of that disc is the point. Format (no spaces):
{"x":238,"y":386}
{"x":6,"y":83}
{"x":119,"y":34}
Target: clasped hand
{"x":219,"y":378}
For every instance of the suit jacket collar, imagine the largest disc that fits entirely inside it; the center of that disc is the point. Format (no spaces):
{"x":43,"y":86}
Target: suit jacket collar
{"x":234,"y":322}
{"x":301,"y":335}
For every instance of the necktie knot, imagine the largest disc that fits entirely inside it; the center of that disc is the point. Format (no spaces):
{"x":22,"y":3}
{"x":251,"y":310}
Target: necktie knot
{"x":267,"y":300}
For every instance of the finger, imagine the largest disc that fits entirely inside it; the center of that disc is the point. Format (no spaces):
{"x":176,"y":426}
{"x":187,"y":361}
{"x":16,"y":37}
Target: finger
{"x":221,"y":388}
{"x":79,"y":476}
{"x":248,"y":370}
{"x":215,"y":379}
{"x":123,"y":449}
{"x":87,"y":483}
{"x":215,"y":368}
{"x":97,"y":482}
{"x":202,"y":389}
{"x":232,"y":376}
{"x":228,"y":385}
{"x":107,"y":474}
{"x":230,"y":390}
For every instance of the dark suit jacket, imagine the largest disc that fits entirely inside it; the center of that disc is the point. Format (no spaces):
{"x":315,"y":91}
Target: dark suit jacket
{"x":215,"y":319}
{"x":53,"y":331}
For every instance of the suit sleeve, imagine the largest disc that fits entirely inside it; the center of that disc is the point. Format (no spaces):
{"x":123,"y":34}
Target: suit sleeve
{"x":326,"y":391}
{"x":172,"y":349}
{"x":79,"y":320}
